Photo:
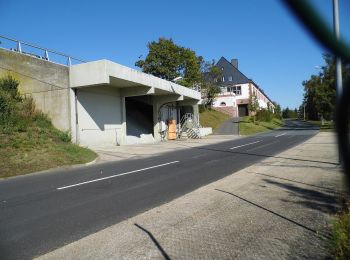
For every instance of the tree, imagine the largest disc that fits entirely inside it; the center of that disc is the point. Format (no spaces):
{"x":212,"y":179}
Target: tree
{"x":289,"y":113}
{"x":253,"y":105}
{"x":277,"y":110}
{"x":211,"y":75}
{"x":319,"y":90}
{"x":168,"y":61}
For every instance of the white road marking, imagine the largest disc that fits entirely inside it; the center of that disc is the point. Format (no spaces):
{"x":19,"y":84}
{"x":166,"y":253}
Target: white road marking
{"x":244,"y":145}
{"x":117,"y":175}
{"x":280,"y":135}
{"x":262,"y":146}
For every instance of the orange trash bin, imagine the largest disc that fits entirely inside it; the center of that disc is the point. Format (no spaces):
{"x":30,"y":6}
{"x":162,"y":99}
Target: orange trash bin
{"x":171,"y":129}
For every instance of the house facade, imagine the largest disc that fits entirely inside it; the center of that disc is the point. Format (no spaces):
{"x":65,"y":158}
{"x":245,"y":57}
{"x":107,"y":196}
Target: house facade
{"x":237,"y":90}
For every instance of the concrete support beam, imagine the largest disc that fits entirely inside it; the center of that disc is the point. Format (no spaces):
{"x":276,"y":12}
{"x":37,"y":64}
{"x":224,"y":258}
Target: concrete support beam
{"x":137,"y":91}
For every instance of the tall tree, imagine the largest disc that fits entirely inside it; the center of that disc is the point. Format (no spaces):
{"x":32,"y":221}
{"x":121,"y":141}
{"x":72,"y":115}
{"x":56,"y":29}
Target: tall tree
{"x":253,"y":105}
{"x":211,"y":76}
{"x":319,"y":90}
{"x":167,"y":60}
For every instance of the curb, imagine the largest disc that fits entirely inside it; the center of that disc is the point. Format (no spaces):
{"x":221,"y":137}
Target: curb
{"x":90,"y":163}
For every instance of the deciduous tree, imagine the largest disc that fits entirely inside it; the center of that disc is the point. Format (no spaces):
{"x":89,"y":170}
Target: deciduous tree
{"x":167,"y":60}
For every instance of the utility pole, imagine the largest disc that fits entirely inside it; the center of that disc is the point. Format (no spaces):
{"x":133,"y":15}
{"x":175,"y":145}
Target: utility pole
{"x":339,"y":79}
{"x":304,"y":113}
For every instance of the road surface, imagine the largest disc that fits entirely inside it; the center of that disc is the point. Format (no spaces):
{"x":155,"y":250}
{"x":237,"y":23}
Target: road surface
{"x":41,"y":212}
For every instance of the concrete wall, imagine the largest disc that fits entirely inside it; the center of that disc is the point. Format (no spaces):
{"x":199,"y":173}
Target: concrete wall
{"x":100,"y":116}
{"x":46,"y":82}
{"x":228,"y":100}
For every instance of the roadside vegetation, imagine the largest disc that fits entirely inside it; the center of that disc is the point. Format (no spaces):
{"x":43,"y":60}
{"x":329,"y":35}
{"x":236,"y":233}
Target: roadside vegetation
{"x":28,"y":140}
{"x":212,"y":118}
{"x":340,"y":237}
{"x":264,"y":120}
{"x":326,"y":126}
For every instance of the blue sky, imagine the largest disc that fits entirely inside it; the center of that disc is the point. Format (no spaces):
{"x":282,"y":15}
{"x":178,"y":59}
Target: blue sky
{"x":272,"y":48}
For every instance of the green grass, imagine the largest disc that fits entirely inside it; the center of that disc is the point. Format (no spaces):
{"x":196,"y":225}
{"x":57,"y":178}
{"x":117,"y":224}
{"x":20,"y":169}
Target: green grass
{"x":340,"y":239}
{"x":328,"y":126}
{"x":212,"y":118}
{"x":247,"y":127}
{"x":37,"y":146}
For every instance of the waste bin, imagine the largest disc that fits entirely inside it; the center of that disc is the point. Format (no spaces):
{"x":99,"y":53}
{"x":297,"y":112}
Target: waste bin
{"x":171,"y":129}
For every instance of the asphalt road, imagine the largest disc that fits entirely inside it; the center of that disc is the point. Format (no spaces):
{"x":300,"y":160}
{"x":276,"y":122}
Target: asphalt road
{"x":41,"y":212}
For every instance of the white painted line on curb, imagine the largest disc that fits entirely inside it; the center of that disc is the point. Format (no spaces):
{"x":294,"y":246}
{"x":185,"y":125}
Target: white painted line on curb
{"x":244,"y":145}
{"x":117,"y":175}
{"x":280,"y":135}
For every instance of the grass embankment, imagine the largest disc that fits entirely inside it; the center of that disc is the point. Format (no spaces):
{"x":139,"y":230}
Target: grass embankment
{"x":340,"y":241}
{"x":328,"y":126}
{"x":28,"y":141}
{"x":212,"y":118}
{"x":248,"y":127}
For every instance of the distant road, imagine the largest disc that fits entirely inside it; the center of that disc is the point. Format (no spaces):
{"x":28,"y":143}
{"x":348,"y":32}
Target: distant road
{"x":41,"y":212}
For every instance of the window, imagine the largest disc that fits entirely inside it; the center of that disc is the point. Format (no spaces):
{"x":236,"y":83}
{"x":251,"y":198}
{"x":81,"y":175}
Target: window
{"x":223,"y":79}
{"x":230,"y":78}
{"x":222,"y":68}
{"x":235,"y":89}
{"x":215,"y":80}
{"x":223,"y":104}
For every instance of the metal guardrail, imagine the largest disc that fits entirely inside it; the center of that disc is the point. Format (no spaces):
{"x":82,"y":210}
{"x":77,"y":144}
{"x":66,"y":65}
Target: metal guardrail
{"x":19,"y":45}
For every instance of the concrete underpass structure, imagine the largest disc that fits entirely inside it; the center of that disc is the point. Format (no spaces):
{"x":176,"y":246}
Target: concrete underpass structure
{"x":114,"y":104}
{"x":101,"y":103}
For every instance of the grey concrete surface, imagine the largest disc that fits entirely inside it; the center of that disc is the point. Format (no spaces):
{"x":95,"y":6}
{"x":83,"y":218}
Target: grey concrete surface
{"x":278,"y":208}
{"x":137,"y":151}
{"x":229,"y":127}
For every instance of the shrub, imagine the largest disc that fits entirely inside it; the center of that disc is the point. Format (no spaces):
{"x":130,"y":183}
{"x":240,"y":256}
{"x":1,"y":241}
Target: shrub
{"x":10,"y":85}
{"x":64,"y":136}
{"x":264,"y":115}
{"x":7,"y":106}
{"x":201,"y":108}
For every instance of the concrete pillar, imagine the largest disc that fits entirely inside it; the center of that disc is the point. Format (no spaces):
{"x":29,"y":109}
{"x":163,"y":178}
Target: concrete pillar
{"x":156,"y":126}
{"x":73,"y":116}
{"x":121,"y":134}
{"x":195,"y":111}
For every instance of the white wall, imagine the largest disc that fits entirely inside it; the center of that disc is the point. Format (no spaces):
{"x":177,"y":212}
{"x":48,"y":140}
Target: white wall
{"x":230,"y":101}
{"x":99,"y":116}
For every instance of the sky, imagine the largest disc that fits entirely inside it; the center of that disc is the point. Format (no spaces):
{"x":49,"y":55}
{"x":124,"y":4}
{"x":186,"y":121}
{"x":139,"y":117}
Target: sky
{"x":272,"y":48}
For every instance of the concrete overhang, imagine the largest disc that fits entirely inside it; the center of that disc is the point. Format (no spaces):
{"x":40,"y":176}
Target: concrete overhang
{"x":130,"y":81}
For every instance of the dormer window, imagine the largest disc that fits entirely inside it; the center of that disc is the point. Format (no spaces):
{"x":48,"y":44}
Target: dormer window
{"x":223,"y":79}
{"x":230,"y":78}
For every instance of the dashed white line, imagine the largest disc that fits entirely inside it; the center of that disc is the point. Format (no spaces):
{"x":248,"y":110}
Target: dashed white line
{"x":117,"y":175}
{"x":280,"y":135}
{"x":244,"y":145}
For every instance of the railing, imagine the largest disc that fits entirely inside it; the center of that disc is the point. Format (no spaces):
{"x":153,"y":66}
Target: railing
{"x":19,"y":48}
{"x":190,"y":124}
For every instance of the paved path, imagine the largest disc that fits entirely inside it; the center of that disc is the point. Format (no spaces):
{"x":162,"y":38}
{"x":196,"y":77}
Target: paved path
{"x":229,"y":127}
{"x":278,"y":208}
